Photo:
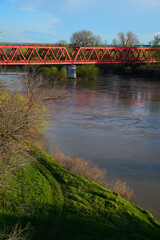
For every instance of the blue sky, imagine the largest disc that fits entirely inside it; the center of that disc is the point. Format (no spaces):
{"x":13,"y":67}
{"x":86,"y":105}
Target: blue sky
{"x":49,"y":21}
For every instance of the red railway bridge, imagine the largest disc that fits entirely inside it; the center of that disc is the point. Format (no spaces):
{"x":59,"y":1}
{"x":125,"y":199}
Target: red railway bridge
{"x":36,"y":55}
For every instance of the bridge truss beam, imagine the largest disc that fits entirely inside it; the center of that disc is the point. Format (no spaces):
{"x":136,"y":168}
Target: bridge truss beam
{"x":36,"y":55}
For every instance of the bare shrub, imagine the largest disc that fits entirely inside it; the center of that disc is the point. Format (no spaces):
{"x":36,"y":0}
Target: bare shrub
{"x":80,"y":167}
{"x":36,"y":87}
{"x":17,"y":233}
{"x":23,"y":116}
{"x":91,"y":171}
{"x":121,"y":187}
{"x":21,"y":119}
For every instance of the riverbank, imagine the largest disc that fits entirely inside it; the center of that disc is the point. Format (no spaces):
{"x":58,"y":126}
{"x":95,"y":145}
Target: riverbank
{"x":91,"y":72}
{"x":62,"y":205}
{"x":147,"y":70}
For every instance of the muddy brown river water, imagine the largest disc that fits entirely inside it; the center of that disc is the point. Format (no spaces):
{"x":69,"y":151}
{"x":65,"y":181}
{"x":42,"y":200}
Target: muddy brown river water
{"x":115,"y":122}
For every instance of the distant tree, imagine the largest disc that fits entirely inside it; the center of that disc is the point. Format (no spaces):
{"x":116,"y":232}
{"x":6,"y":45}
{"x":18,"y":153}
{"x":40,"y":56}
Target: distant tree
{"x":156,"y":41}
{"x":122,"y":39}
{"x":128,"y":39}
{"x":87,"y":72}
{"x":62,"y":43}
{"x":85,"y":38}
{"x":115,"y":42}
{"x":104,"y":44}
{"x":63,"y":74}
{"x":53,"y":73}
{"x":131,"y":39}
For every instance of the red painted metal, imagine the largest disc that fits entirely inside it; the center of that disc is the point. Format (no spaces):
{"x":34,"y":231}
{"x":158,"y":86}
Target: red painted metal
{"x":24,"y":55}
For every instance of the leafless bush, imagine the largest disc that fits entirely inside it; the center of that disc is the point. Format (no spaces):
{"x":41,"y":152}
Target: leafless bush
{"x":80,"y":167}
{"x":17,"y":233}
{"x":128,"y":39}
{"x":21,"y":119}
{"x":23,"y":116}
{"x":35,"y":86}
{"x":121,"y":188}
{"x":91,"y":171}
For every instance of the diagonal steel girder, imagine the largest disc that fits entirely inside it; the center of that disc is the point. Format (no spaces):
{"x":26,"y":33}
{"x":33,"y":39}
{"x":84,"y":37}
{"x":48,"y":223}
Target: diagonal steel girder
{"x":25,"y":55}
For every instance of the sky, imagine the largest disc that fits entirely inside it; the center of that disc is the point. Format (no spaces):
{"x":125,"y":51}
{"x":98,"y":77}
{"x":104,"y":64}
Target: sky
{"x":49,"y":21}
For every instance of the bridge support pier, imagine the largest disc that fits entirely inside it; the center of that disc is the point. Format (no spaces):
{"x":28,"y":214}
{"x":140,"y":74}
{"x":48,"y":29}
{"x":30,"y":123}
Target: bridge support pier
{"x":71,"y":71}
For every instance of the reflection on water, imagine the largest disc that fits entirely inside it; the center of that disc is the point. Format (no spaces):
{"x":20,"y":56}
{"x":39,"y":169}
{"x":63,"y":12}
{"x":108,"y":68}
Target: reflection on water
{"x":115,"y":122}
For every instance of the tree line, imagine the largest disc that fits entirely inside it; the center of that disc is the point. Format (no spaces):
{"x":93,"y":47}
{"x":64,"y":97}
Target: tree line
{"x":86,"y":38}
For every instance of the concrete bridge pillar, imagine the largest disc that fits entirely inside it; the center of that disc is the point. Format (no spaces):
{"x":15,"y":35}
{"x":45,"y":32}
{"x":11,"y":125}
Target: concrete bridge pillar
{"x":71,"y":71}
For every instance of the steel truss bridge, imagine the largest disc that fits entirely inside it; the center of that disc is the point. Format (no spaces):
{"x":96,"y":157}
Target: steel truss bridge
{"x":25,"y":55}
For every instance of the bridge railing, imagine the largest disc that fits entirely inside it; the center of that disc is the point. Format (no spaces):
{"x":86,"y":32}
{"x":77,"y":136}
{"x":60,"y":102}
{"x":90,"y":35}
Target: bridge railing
{"x":33,"y":55}
{"x":22,"y":55}
{"x":115,"y":55}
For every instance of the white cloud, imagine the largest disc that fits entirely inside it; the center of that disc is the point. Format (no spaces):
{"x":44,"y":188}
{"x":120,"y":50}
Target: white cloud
{"x":51,"y":22}
{"x":30,"y":5}
{"x":60,"y":6}
{"x":50,"y":5}
{"x":44,"y":25}
{"x":14,"y":35}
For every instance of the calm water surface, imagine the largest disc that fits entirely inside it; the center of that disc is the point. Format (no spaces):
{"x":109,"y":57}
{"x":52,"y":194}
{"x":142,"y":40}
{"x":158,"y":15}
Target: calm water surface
{"x":115,"y":122}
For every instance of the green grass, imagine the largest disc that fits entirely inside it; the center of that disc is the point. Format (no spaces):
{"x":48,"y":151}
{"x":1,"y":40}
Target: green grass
{"x":64,"y":206}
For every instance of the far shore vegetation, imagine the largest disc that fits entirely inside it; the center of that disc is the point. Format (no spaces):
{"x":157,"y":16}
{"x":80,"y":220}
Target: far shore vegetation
{"x":91,"y":72}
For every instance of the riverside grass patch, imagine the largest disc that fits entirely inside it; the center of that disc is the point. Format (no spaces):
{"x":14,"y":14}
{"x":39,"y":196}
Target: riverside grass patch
{"x":61,"y":205}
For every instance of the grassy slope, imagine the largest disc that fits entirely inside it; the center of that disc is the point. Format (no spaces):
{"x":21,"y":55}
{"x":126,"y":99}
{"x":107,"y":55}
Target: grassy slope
{"x":63,"y":206}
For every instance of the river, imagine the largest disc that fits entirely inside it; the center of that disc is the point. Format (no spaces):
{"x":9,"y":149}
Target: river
{"x":115,"y":123}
